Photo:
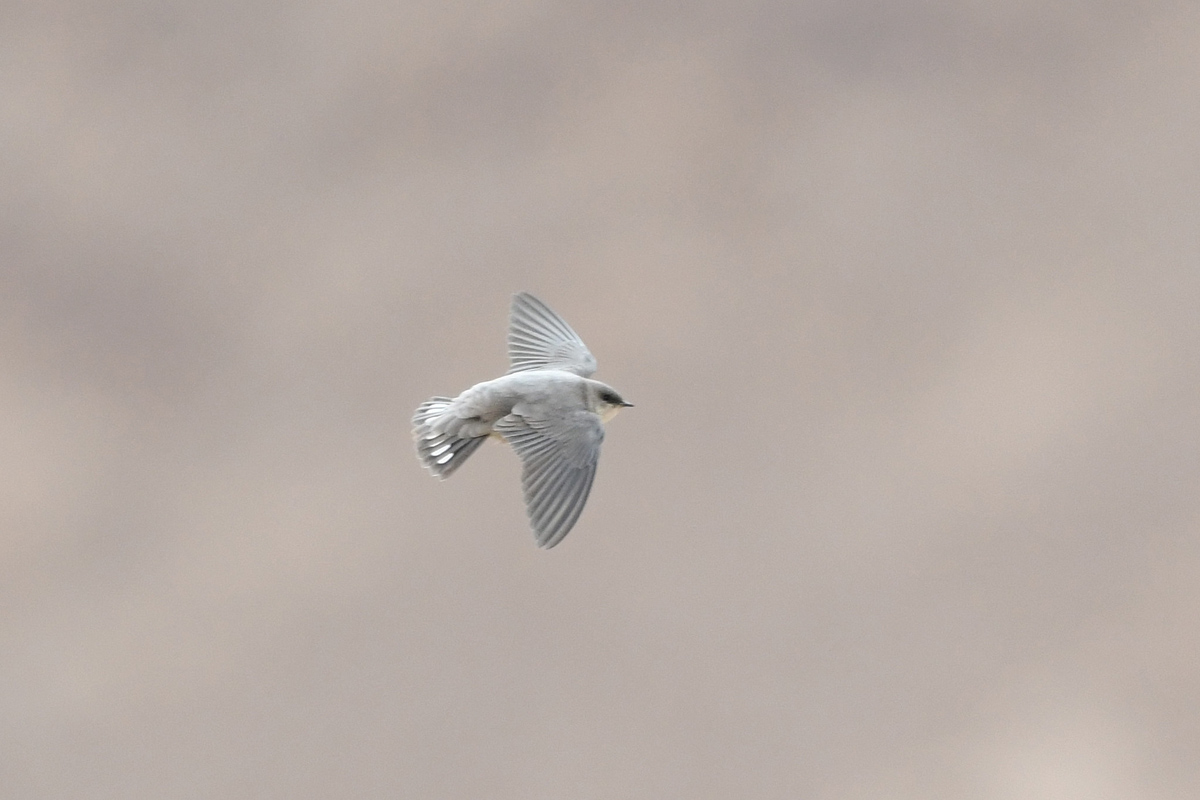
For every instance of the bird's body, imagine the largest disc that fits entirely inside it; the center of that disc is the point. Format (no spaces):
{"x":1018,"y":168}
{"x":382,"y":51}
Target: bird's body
{"x":547,"y":407}
{"x":475,"y":411}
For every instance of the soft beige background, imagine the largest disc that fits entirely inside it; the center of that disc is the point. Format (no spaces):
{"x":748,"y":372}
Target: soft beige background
{"x":905,"y":293}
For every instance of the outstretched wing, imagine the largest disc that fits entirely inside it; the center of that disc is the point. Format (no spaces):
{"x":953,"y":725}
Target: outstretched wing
{"x":540,"y":339}
{"x":559,"y":457}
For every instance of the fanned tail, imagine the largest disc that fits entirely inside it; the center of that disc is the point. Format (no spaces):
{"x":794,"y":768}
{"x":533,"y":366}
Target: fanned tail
{"x":441,"y":452}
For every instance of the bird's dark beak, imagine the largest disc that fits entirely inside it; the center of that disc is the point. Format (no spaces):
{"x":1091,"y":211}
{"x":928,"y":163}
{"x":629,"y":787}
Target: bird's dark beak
{"x":626,"y":405}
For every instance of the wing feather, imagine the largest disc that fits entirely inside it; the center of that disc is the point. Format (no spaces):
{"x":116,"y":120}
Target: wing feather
{"x":559,"y":458}
{"x":540,"y":339}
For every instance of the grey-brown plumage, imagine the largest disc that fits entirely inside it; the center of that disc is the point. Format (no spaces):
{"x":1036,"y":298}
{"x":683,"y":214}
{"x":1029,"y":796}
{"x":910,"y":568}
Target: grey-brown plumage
{"x":546,"y":407}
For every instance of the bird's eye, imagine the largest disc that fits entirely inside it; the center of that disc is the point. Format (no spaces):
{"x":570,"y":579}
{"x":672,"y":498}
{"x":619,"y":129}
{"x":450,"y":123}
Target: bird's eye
{"x":609,"y":397}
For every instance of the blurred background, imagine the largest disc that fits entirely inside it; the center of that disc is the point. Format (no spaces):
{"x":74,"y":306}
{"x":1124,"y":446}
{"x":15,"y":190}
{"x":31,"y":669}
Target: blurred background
{"x":905,"y":294}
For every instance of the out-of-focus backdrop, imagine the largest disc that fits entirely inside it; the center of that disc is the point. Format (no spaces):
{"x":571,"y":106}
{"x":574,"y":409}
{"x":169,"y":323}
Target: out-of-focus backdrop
{"x":905,"y":293}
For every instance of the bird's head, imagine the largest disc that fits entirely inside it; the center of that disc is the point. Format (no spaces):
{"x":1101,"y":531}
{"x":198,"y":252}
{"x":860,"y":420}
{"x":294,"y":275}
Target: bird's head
{"x":606,"y":402}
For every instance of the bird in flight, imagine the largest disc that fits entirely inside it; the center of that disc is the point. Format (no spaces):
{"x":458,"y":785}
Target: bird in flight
{"x":547,"y":407}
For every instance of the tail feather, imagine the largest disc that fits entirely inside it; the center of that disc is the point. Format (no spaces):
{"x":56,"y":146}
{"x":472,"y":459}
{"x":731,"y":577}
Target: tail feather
{"x":441,"y":452}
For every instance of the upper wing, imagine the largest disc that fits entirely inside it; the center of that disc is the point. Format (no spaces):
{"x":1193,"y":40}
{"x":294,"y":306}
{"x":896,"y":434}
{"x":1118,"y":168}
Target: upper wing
{"x":540,"y":339}
{"x":559,"y":457}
